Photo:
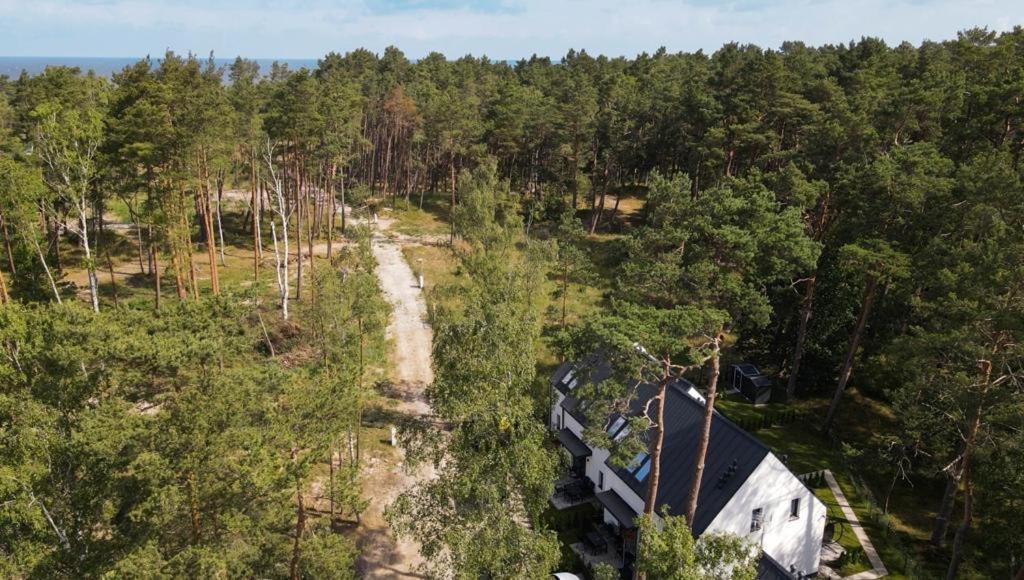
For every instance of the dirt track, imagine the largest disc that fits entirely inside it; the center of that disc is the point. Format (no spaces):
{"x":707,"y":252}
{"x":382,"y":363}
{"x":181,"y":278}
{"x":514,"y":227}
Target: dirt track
{"x":383,"y":556}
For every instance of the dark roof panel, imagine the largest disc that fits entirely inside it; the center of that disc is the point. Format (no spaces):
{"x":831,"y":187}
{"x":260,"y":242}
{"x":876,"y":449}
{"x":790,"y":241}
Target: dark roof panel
{"x":618,"y":507}
{"x":732,"y":456}
{"x":572,"y":443}
{"x":769,"y":569}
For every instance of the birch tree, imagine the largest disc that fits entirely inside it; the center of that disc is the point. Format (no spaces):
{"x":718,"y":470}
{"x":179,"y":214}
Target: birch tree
{"x":67,"y":143}
{"x":281,"y":210}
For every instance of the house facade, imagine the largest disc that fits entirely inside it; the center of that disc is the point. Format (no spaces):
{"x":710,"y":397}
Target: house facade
{"x":746,"y":490}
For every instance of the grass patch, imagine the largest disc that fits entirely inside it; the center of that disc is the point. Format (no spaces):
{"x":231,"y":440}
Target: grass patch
{"x":439,"y":269}
{"x":846,"y":538}
{"x":900,"y":536}
{"x":429,"y":220}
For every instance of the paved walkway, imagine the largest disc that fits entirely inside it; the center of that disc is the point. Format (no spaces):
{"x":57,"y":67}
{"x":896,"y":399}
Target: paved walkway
{"x":878,"y":569}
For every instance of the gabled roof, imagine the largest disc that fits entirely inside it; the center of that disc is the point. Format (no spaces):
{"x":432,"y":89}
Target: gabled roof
{"x":732,"y":456}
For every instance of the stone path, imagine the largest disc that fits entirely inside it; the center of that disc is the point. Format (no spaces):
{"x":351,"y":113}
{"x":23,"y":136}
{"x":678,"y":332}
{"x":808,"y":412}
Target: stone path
{"x":878,"y":568}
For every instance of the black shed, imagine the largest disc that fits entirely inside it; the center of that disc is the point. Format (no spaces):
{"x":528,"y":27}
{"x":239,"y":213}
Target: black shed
{"x":749,"y":381}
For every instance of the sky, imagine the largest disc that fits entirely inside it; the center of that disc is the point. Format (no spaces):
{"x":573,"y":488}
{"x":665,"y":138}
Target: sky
{"x":499,"y":29}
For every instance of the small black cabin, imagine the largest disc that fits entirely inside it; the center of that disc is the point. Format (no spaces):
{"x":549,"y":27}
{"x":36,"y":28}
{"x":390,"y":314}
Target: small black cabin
{"x":749,"y":381}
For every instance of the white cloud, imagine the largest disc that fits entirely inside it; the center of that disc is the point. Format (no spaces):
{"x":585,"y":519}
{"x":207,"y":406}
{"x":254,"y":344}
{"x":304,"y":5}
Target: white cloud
{"x":509,"y":29}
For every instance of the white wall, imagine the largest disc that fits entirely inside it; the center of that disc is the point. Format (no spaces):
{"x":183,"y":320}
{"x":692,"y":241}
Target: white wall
{"x":772,"y":487}
{"x":596,"y":462}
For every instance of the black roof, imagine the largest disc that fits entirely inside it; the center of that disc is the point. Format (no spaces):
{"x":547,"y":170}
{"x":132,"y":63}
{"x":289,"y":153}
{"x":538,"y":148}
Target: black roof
{"x":747,"y":369}
{"x":598,"y":369}
{"x":769,"y":569}
{"x":573,"y":444}
{"x":618,"y":507}
{"x":732,"y":456}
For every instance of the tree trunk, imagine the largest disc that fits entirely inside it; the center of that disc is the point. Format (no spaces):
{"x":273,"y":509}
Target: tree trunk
{"x":254,"y":191}
{"x":333,"y":210}
{"x":154,"y":256}
{"x":331,"y":485}
{"x":4,"y":297}
{"x":451,"y":210}
{"x":659,"y":440}
{"x":946,"y":507}
{"x":46,"y":268}
{"x":806,"y":310}
{"x":309,"y":245}
{"x":256,"y":211}
{"x":705,"y":435}
{"x":113,"y":281}
{"x":985,"y":366}
{"x":565,"y":291}
{"x":220,"y":224}
{"x":851,"y":353}
{"x":90,"y":263}
{"x":193,"y":508}
{"x":298,"y":234}
{"x":207,"y":220}
{"x":342,"y":200}
{"x":7,"y":246}
{"x":142,"y":245}
{"x":965,"y":526}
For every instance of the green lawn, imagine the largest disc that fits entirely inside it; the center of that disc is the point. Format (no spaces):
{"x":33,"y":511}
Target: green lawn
{"x":430,"y":220}
{"x":900,"y":536}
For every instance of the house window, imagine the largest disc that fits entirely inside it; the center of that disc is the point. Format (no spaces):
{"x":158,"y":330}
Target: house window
{"x":616,"y":425}
{"x":794,"y":509}
{"x":558,"y":421}
{"x":600,"y":479}
{"x":756,"y":519}
{"x":641,"y":473}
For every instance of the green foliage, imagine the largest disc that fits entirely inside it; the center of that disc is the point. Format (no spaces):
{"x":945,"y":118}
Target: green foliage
{"x":487,"y":214}
{"x":669,"y":552}
{"x":148,"y":445}
{"x":666,"y":552}
{"x":723,"y":247}
{"x":848,"y":169}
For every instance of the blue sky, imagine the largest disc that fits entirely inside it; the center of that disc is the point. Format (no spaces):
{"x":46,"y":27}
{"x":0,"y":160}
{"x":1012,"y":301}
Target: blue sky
{"x":501,"y":29}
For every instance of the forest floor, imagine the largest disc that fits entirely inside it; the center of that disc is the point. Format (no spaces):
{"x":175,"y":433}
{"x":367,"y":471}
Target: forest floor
{"x":382,"y":556}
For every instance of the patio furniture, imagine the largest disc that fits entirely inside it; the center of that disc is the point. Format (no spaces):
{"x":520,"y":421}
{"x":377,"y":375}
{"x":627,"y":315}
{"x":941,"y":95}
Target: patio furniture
{"x":596,"y":541}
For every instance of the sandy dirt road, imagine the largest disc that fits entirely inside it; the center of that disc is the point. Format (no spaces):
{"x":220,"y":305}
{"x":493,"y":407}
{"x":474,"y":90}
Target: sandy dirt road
{"x":381,"y":555}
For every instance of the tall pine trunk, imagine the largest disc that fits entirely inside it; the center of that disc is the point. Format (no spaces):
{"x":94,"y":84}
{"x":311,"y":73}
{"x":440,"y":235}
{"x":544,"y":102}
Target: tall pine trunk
{"x":806,"y":310}
{"x":4,"y":297}
{"x":705,"y":434}
{"x":941,"y":525}
{"x":155,"y":270}
{"x":844,"y":375}
{"x":656,"y":446}
{"x":298,"y":230}
{"x":254,"y":189}
{"x":7,"y":246}
{"x":451,"y":210}
{"x":970,"y":441}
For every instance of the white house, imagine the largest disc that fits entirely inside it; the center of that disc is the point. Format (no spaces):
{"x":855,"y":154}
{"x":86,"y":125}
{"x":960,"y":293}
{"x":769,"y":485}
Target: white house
{"x":746,"y":490}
